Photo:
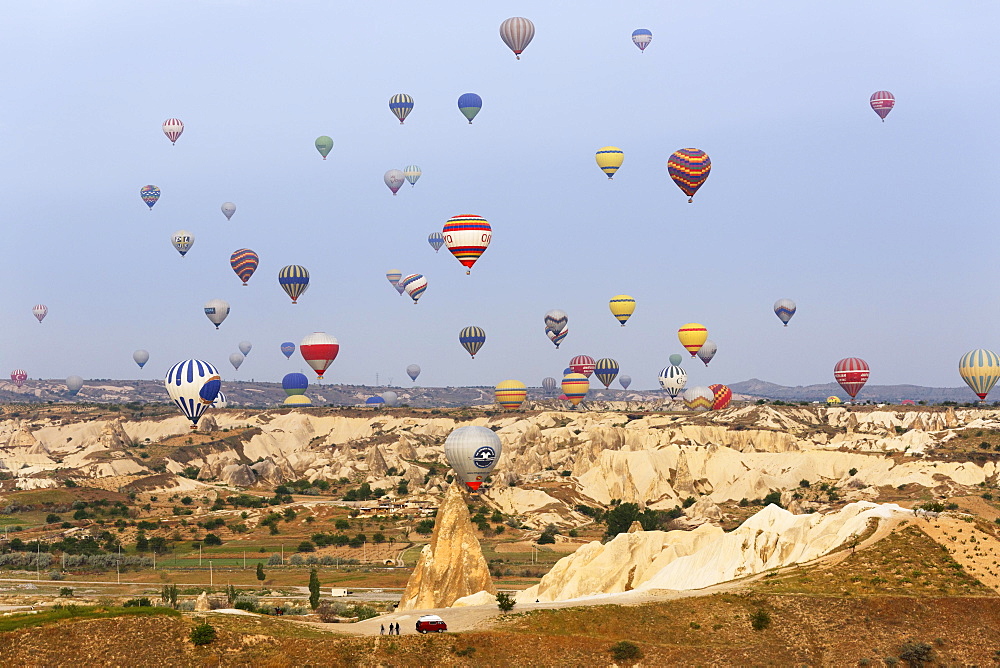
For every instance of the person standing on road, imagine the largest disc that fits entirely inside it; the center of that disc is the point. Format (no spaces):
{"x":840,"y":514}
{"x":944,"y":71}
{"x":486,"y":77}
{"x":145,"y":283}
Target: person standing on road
{"x":382,"y":630}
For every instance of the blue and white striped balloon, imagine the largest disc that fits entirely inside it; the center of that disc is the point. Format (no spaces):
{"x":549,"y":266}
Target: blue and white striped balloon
{"x":436,"y":240}
{"x":673,"y":379}
{"x":193,"y":385}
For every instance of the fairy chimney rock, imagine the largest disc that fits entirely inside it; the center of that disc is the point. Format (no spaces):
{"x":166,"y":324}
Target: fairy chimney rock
{"x":452,"y":565}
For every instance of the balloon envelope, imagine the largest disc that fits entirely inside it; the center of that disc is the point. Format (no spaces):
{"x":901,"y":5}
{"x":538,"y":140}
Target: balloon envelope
{"x":390,"y":398}
{"x":517,"y":33}
{"x":784,"y":309}
{"x":297,"y":400}
{"x":549,"y":385}
{"x":692,"y":336}
{"x":672,"y":380}
{"x":622,"y":307}
{"x":641,"y":38}
{"x":412,"y":174}
{"x":236,"y":359}
{"x":149,"y":195}
{"x":852,"y":374}
{"x":217,"y":310}
{"x":606,"y":370}
{"x":436,"y":240}
{"x":288,"y":349}
{"x":319,"y":349}
{"x":294,"y":383}
{"x":40,"y":311}
{"x":470,"y":104}
{"x":413,"y":371}
{"x":472,"y":339}
{"x":173,"y":128}
{"x":582,"y":364}
{"x":415,"y":285}
{"x":624,"y":381}
{"x":18,"y":376}
{"x":723,"y":395}
{"x":73,"y":384}
{"x":689,"y":168}
{"x":467,"y":236}
{"x":140,"y":357}
{"x":324,"y":145}
{"x":394,"y":180}
{"x":980,"y":370}
{"x":193,"y":385}
{"x":245,"y":347}
{"x":510,"y":394}
{"x":182,"y":241}
{"x":294,"y":280}
{"x":244,"y":262}
{"x":707,"y":351}
{"x":556,"y":338}
{"x":676,"y":359}
{"x":609,"y":159}
{"x":473,"y":453}
{"x":401,"y":105}
{"x":575,"y":386}
{"x":228,"y":209}
{"x":394,"y":276}
{"x":882,"y":102}
{"x":556,"y":320}
{"x":699,"y":398}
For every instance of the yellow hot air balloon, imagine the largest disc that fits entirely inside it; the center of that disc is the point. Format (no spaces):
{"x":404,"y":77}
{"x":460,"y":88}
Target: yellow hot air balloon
{"x":692,"y":336}
{"x":622,"y":307}
{"x":575,"y":386}
{"x":510,"y":394}
{"x":609,"y":159}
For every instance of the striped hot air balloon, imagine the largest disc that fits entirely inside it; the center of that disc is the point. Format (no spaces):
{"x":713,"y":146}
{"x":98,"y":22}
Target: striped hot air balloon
{"x":672,"y":380}
{"x":510,"y":394}
{"x":436,"y":240}
{"x":622,"y":307}
{"x":470,"y":104}
{"x":556,"y":320}
{"x":692,"y":336}
{"x":193,"y":385}
{"x":149,"y":195}
{"x":556,"y":338}
{"x":641,"y":38}
{"x":18,"y":376}
{"x":517,"y":33}
{"x":689,"y":168}
{"x":606,"y":370}
{"x":412,"y":174}
{"x":394,"y":276}
{"x":294,"y":280}
{"x":980,"y":370}
{"x":401,"y":105}
{"x":173,"y":128}
{"x":40,"y":311}
{"x":852,"y":374}
{"x":609,"y":159}
{"x":472,"y":339}
{"x":582,"y":364}
{"x":699,"y":398}
{"x":414,"y":285}
{"x":467,"y":236}
{"x":707,"y":351}
{"x":575,"y":387}
{"x":784,"y":309}
{"x":244,"y":262}
{"x":319,"y":349}
{"x":882,"y":102}
{"x":549,"y":385}
{"x":723,"y":395}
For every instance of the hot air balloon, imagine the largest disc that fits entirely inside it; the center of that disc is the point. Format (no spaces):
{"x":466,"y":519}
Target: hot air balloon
{"x":470,"y":104}
{"x":980,"y":370}
{"x":412,"y":174}
{"x":472,"y":452}
{"x":149,"y":195}
{"x":641,"y":38}
{"x":436,"y":240}
{"x":173,"y":128}
{"x":228,"y":209}
{"x":182,"y":241}
{"x":510,"y":394}
{"x":556,"y":338}
{"x":140,"y":357}
{"x":699,"y":398}
{"x":394,"y":180}
{"x":413,"y":371}
{"x":556,"y":320}
{"x":624,"y":381}
{"x":244,"y":262}
{"x":606,"y":370}
{"x":833,"y":401}
{"x":467,"y":237}
{"x":692,"y":336}
{"x":549,"y":385}
{"x":672,"y":380}
{"x":217,"y":310}
{"x":324,"y":145}
{"x":472,"y":339}
{"x":294,"y":383}
{"x":676,"y":359}
{"x":220,"y":401}
{"x":297,"y":400}
{"x":882,"y":103}
{"x":40,"y":311}
{"x":319,"y":349}
{"x":394,"y":276}
{"x":609,"y":159}
{"x":517,"y":33}
{"x":74,"y":384}
{"x":288,"y":349}
{"x":294,"y":280}
{"x":390,"y":398}
{"x":582,"y":364}
{"x":236,"y":359}
{"x":414,"y":285}
{"x":852,"y":374}
{"x":375,"y":402}
{"x":723,"y":395}
{"x":575,"y":386}
{"x":622,"y":307}
{"x":193,"y":385}
{"x":689,"y":168}
{"x":784,"y":309}
{"x":245,"y":347}
{"x":567,"y":371}
{"x":401,"y":104}
{"x":707,"y":351}
{"x":18,"y":376}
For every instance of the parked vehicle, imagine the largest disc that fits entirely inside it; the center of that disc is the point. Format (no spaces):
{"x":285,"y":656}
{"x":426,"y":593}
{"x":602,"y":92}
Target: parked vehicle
{"x":431,"y":623}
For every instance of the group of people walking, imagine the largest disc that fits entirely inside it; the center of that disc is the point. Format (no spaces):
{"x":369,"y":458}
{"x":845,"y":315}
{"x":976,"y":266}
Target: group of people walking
{"x":393,"y":629}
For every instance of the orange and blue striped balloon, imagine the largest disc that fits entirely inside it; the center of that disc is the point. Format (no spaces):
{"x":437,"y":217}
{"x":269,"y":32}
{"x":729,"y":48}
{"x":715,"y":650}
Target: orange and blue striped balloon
{"x":689,"y":168}
{"x":244,"y":262}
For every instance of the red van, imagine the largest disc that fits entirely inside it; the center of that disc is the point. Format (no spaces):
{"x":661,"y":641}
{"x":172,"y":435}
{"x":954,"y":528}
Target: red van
{"x":431,"y":623}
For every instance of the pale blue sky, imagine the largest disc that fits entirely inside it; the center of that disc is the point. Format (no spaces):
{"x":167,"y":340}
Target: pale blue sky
{"x":883,"y":233}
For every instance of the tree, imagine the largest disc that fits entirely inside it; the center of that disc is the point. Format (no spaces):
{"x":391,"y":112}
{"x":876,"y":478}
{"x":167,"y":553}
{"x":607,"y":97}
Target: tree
{"x":212,"y":539}
{"x":260,"y":573}
{"x":141,"y":543}
{"x":773,"y":497}
{"x":549,"y":535}
{"x":620,"y":518}
{"x":169,"y":595}
{"x":202,"y":634}
{"x":425,"y":527}
{"x":313,"y":589}
{"x":505,"y":601}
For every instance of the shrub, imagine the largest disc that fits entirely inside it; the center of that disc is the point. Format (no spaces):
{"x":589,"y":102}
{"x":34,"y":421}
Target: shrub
{"x":425,"y":527}
{"x":805,"y":483}
{"x":852,"y":472}
{"x":505,"y":601}
{"x":203,"y":634}
{"x":52,"y":518}
{"x":137,"y":603}
{"x":760,"y":619}
{"x":296,"y":560}
{"x":65,"y":592}
{"x":625,"y":651}
{"x":274,"y":560}
{"x":773,"y":497}
{"x":306,"y":546}
{"x":56,"y":575}
{"x":916,"y":654}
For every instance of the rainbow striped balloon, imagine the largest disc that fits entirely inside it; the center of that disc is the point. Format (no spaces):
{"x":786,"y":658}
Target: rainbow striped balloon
{"x":511,"y":393}
{"x":575,"y":386}
{"x":244,"y":262}
{"x":414,"y":285}
{"x":467,"y":236}
{"x":149,"y":195}
{"x":689,"y":168}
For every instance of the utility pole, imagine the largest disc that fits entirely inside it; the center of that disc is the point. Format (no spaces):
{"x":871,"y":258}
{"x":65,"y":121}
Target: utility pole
{"x":211,"y":575}
{"x":199,"y":555}
{"x":244,"y":559}
{"x":38,"y":559}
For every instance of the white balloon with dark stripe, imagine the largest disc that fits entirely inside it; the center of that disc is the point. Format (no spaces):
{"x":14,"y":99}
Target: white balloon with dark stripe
{"x":193,"y":385}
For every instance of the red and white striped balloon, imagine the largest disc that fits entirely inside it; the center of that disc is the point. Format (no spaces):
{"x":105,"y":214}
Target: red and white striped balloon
{"x":882,"y":103}
{"x":319,"y":349}
{"x":852,"y":374}
{"x":517,"y":33}
{"x":173,"y":127}
{"x":40,"y":311}
{"x":18,"y":376}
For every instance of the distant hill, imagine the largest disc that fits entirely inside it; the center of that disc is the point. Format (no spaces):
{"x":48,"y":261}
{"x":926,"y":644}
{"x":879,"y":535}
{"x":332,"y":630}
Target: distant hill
{"x":887,"y":393}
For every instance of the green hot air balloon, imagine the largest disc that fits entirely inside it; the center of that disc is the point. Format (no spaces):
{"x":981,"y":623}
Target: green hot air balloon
{"x":675,"y":359}
{"x":324,"y":145}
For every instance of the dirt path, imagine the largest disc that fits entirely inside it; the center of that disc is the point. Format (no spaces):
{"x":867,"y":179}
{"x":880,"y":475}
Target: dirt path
{"x":977,"y":551}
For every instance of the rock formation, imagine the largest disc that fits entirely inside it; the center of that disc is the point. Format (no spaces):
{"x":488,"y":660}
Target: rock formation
{"x":452,"y":565}
{"x":201,"y":603}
